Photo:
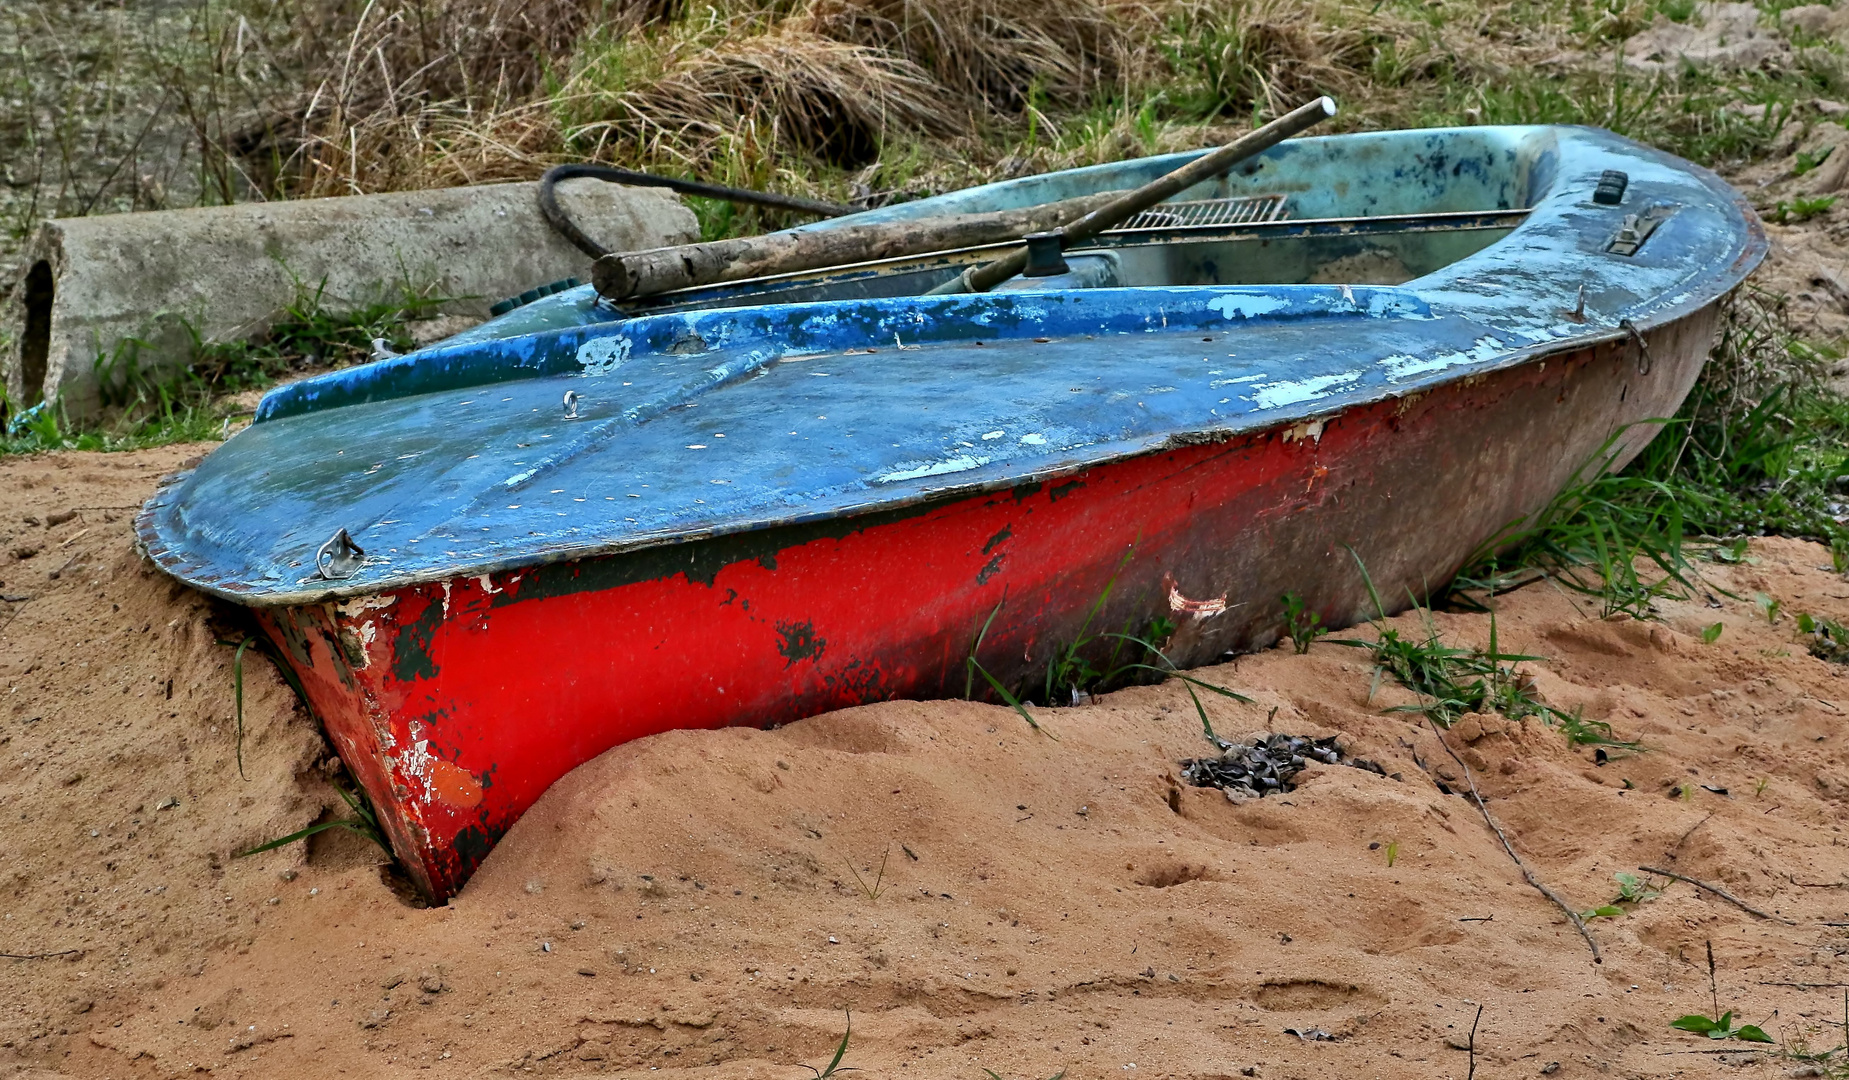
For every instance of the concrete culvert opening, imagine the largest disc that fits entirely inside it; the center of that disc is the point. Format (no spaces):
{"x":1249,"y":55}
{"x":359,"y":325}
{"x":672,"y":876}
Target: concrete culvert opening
{"x":35,"y":343}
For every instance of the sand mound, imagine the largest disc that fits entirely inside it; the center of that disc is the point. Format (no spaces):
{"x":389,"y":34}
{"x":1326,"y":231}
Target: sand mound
{"x":981,"y":897}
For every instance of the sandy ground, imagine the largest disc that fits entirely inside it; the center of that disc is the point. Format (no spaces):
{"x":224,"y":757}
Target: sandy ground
{"x":691,"y":901}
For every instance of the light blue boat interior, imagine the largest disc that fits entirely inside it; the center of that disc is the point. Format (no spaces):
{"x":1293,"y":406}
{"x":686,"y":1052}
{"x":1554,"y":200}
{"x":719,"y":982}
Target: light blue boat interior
{"x":1407,"y":259}
{"x":1375,"y":175}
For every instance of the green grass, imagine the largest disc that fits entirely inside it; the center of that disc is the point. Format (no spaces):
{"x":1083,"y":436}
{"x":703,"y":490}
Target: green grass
{"x":1301,"y":625}
{"x":1802,"y":208}
{"x":1824,"y":638}
{"x":363,"y":823}
{"x":145,"y":405}
{"x":1094,"y":662}
{"x":1760,"y":447}
{"x":834,"y":1066}
{"x":1451,"y":681}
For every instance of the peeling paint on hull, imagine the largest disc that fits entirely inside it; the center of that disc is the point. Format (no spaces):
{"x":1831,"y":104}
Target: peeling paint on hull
{"x":471,"y":696}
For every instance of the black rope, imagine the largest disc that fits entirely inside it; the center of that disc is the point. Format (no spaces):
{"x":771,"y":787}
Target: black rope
{"x":555,"y":214}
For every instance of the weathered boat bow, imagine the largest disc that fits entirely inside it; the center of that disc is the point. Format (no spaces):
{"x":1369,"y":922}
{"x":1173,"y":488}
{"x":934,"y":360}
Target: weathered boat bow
{"x":767,"y":499}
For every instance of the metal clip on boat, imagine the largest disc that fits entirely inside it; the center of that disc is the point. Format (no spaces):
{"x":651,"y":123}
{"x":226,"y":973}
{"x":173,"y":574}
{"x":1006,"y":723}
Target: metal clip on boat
{"x":340,"y":557}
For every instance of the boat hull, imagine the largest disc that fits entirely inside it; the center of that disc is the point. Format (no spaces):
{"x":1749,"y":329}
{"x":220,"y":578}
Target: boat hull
{"x":457,"y":703}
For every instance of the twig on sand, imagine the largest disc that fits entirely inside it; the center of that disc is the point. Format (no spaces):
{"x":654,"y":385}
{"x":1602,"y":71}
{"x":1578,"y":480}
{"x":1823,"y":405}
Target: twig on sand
{"x":1527,"y":874}
{"x":1723,"y":1050}
{"x":38,"y":955}
{"x":1816,"y":884}
{"x":1720,"y":892}
{"x":1671,"y":853}
{"x":1805,"y":986}
{"x":1472,"y":1074}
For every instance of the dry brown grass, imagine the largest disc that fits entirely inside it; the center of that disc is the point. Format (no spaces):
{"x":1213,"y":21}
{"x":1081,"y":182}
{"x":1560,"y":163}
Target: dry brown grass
{"x":430,"y":92}
{"x":992,"y":54}
{"x":834,"y":100}
{"x":834,"y":97}
{"x":415,"y":93}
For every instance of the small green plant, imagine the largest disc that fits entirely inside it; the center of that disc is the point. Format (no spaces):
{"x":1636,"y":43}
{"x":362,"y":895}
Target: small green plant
{"x":1302,"y":626}
{"x":1711,"y":634}
{"x":975,"y":668}
{"x":237,"y":685}
{"x":1759,"y":787}
{"x":1634,"y":890}
{"x":1768,"y":608}
{"x":1591,"y":539}
{"x":1093,"y":663}
{"x":1827,"y":638}
{"x":1721,"y":1027}
{"x":1808,"y":160}
{"x":1580,"y":731}
{"x":1736,"y":552}
{"x":1393,"y":852}
{"x":835,"y":1066}
{"x":364,"y":822}
{"x":1802,"y":208}
{"x":1631,"y":890}
{"x":873,"y":891}
{"x":1450,"y":681}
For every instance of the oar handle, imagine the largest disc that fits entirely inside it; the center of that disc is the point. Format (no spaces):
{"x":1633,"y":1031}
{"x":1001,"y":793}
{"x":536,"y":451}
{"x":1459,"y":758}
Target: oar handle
{"x":1117,"y":211}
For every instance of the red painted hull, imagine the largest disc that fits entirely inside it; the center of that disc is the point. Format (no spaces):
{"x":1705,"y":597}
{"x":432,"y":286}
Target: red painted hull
{"x":457,"y":704}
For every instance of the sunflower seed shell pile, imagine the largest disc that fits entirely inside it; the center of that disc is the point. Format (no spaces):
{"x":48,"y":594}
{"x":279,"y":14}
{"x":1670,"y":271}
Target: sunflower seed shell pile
{"x":1264,"y":765}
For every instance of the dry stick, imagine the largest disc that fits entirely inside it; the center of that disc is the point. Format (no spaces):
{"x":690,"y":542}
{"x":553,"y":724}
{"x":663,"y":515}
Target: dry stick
{"x":623,"y":275}
{"x":1806,"y":986}
{"x":1714,"y":991}
{"x":1716,"y":890}
{"x":1671,"y":853}
{"x":1472,"y":1074}
{"x":1816,"y":884}
{"x":1527,"y":874}
{"x":37,"y":955}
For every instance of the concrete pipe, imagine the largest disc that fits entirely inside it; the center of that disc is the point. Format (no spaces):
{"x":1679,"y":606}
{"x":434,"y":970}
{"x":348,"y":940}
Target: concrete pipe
{"x":226,"y":272}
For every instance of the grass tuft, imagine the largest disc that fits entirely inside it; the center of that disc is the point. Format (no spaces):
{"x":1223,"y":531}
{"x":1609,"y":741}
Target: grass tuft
{"x":152,"y":405}
{"x":364,"y":823}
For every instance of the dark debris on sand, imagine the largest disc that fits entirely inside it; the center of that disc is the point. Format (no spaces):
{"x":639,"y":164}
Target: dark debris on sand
{"x":1267,"y":764}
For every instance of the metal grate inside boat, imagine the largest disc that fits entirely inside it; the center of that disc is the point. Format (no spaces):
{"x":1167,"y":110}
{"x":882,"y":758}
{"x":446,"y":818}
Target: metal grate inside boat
{"x":1243,"y":210}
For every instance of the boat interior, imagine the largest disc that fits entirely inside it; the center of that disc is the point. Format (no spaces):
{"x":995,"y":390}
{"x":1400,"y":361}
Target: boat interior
{"x":1378,"y":209}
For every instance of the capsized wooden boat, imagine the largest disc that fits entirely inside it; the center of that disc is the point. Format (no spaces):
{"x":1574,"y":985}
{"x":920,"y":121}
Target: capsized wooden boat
{"x":492,"y":560}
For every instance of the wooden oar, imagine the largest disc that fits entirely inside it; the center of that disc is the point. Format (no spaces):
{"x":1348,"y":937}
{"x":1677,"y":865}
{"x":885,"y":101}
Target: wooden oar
{"x":626,"y":275}
{"x":1129,"y":204}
